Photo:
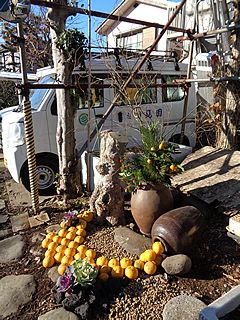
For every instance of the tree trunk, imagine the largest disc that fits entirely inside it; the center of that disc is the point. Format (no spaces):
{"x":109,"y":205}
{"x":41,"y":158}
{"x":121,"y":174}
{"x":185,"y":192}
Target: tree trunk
{"x":230,"y":121}
{"x":69,"y":183}
{"x":107,"y":200}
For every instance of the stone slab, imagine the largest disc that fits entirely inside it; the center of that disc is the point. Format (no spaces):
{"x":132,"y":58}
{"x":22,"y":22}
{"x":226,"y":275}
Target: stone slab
{"x":15,"y":292}
{"x":20,"y":222}
{"x":58,"y":314}
{"x":11,"y":249}
{"x":132,"y":242}
{"x":183,"y":307}
{"x":53,"y":274}
{"x":3,"y":218}
{"x":38,"y":220}
{"x":2,"y":205}
{"x":4,"y":233}
{"x":213,"y":176}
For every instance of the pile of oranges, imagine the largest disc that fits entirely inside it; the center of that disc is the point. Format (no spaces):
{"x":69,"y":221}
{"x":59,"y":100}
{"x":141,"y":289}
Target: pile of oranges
{"x":66,"y":246}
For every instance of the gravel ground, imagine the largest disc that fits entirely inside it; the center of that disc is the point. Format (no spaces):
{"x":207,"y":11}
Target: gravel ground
{"x":215,"y":271}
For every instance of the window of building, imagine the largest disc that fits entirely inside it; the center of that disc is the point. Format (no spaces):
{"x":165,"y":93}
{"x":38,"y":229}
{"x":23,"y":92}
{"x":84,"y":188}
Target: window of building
{"x":170,"y":94}
{"x":130,"y":41}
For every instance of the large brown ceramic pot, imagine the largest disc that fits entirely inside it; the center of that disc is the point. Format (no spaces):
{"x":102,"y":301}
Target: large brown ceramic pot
{"x":148,"y":204}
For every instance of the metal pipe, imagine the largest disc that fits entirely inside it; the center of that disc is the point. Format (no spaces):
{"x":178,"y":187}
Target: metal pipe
{"x":134,"y":72}
{"x":28,"y":124}
{"x":73,"y":10}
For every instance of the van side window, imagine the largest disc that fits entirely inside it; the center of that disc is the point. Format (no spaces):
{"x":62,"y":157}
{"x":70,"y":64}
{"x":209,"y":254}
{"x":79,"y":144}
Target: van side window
{"x":54,"y":107}
{"x":170,"y":94}
{"x":139,"y":92}
{"x":97,"y":98}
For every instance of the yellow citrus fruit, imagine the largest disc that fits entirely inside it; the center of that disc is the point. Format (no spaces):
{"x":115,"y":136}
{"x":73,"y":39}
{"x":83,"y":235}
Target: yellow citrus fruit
{"x":158,"y":260}
{"x":65,"y":242}
{"x":142,"y":257}
{"x":66,"y":260}
{"x":79,"y":255}
{"x":72,"y":229}
{"x":117,"y":272}
{"x":70,"y":235}
{"x":50,"y":235}
{"x":45,"y":243}
{"x":103,"y":276}
{"x":60,"y":248}
{"x":158,"y":247}
{"x":161,"y":146}
{"x":90,"y":253}
{"x":90,"y":260}
{"x":150,"y":267}
{"x":82,"y":249}
{"x":87,"y":216}
{"x":82,"y":224}
{"x":139,"y":264}
{"x":70,"y":252}
{"x":62,"y":233}
{"x":173,"y":167}
{"x":79,"y":240}
{"x":81,"y":232}
{"x":105,"y":269}
{"x":52,"y":246}
{"x":148,"y":255}
{"x":73,"y":245}
{"x":62,"y":224}
{"x":113,"y":262}
{"x":95,"y":265}
{"x":125,"y":262}
{"x":131,"y":272}
{"x":50,"y":253}
{"x":61,"y":269}
{"x":48,"y":262}
{"x":58,"y":257}
{"x":73,"y":261}
{"x":57,"y":239}
{"x":102,"y":261}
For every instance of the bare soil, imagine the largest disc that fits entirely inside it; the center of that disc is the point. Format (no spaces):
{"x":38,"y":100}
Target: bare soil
{"x":216,"y":269}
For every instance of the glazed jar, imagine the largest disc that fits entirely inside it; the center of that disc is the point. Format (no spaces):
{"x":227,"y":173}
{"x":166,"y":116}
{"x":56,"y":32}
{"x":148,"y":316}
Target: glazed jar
{"x":178,"y":229}
{"x":148,"y":204}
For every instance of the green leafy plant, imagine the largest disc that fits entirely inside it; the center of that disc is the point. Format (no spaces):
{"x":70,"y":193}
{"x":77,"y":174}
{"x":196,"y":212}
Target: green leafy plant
{"x":72,"y":43}
{"x":85,"y":273}
{"x":152,"y":164}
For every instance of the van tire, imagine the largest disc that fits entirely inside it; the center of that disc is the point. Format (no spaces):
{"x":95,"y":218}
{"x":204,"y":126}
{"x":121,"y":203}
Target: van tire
{"x":47,"y":168}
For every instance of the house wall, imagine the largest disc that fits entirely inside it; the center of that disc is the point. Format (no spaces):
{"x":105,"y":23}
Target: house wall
{"x":146,"y":13}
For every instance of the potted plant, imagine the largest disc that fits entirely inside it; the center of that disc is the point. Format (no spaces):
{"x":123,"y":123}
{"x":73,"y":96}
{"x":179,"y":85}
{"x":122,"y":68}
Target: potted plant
{"x":147,"y":175}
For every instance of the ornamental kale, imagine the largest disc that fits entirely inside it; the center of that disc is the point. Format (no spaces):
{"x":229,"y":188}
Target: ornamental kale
{"x":67,"y":281}
{"x":85,"y":273}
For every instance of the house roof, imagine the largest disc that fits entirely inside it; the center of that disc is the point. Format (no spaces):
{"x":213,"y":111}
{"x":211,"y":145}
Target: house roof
{"x":121,"y":10}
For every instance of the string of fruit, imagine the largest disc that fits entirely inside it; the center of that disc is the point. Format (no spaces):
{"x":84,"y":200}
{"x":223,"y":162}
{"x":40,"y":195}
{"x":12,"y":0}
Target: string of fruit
{"x":66,"y":248}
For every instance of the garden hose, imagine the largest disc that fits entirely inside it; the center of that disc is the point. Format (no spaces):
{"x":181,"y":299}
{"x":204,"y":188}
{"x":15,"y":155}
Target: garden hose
{"x":33,"y":179}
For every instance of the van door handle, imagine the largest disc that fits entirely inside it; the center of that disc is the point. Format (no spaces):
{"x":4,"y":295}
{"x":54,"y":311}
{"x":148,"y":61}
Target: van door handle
{"x":99,"y":115}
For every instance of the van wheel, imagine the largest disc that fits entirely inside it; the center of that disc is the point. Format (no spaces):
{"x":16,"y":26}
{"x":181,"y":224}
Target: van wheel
{"x":47,"y":168}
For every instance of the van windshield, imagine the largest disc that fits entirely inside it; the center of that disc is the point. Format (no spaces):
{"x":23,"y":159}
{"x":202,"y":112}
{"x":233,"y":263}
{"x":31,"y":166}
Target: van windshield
{"x":37,"y":95}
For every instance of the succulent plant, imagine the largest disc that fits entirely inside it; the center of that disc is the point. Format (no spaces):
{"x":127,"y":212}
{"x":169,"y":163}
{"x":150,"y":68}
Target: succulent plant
{"x":85,"y":273}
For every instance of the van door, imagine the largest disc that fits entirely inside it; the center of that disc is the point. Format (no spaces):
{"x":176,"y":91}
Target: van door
{"x":101,"y":99}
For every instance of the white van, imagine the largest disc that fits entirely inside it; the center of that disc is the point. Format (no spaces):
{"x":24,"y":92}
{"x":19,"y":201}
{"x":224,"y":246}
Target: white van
{"x":145,"y":99}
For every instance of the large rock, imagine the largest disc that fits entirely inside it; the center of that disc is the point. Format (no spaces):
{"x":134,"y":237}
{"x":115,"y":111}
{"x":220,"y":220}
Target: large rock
{"x":53,"y":274}
{"x":132,"y":242}
{"x":15,"y":291}
{"x":58,"y":314}
{"x":183,"y":307}
{"x":178,"y":264}
{"x":11,"y":249}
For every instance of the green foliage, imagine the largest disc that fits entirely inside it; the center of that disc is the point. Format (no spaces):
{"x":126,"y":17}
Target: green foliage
{"x":85,"y":273}
{"x":72,"y":43}
{"x":8,"y":95}
{"x":153,"y":164}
